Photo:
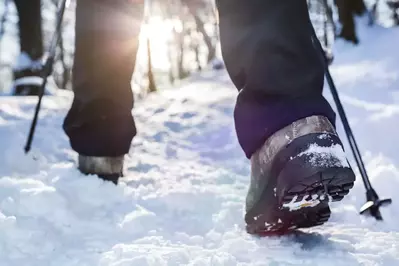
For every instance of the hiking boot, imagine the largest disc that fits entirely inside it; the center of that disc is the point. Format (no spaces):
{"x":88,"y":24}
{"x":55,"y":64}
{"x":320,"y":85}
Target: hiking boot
{"x":294,"y":176}
{"x":106,"y":168}
{"x":27,"y":76}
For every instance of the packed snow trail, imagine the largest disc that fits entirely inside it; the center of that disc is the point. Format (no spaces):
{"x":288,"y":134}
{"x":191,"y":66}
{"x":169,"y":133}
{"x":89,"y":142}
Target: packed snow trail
{"x":181,"y":201}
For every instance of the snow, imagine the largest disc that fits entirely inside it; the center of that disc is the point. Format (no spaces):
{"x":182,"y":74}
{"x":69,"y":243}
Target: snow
{"x":25,"y":62}
{"x":182,"y":199}
{"x":326,"y":155}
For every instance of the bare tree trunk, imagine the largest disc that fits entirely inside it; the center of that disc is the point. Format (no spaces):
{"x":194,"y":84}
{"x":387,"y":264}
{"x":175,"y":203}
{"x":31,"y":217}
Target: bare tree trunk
{"x":197,"y":56}
{"x":329,"y":16}
{"x":347,"y":9}
{"x":201,"y":28}
{"x":207,"y":39}
{"x":66,"y":74}
{"x":4,"y":19}
{"x":171,"y":65}
{"x":394,"y":6}
{"x":63,"y":78}
{"x":180,"y":66}
{"x":182,"y":73}
{"x":151,"y":81}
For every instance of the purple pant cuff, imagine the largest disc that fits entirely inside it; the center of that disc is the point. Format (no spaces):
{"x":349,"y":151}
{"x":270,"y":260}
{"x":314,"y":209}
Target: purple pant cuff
{"x":256,"y":120}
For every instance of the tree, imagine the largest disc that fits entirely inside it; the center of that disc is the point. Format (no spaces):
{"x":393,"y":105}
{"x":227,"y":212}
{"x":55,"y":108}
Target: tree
{"x":151,"y":80}
{"x":194,"y":7}
{"x":4,"y":19}
{"x":62,"y":77}
{"x":347,"y":10}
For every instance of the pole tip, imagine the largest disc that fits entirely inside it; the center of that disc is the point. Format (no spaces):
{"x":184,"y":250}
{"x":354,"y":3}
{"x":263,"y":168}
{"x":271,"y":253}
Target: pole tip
{"x":372,"y":208}
{"x":27,"y":149}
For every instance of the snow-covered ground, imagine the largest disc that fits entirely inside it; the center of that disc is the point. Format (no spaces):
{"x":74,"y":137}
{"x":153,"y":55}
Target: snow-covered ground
{"x":181,"y":202}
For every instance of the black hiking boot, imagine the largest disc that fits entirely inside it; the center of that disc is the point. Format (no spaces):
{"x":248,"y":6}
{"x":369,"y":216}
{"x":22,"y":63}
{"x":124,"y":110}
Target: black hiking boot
{"x":27,"y":76}
{"x":294,"y":176}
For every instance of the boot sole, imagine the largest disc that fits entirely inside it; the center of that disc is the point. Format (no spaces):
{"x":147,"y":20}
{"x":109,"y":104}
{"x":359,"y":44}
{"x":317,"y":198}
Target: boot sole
{"x":306,"y":203}
{"x":331,"y":185}
{"x":302,"y":193}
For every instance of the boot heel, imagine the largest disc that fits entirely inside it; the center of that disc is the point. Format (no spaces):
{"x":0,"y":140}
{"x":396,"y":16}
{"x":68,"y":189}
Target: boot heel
{"x":317,"y":172}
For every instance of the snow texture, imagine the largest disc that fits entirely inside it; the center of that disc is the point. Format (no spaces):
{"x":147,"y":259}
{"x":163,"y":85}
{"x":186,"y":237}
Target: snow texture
{"x":25,"y":62}
{"x":182,"y":200}
{"x":325,"y":155}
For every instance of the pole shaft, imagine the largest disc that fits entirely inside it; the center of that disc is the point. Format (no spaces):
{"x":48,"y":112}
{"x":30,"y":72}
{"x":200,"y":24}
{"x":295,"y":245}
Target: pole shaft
{"x":341,"y":111}
{"x":46,"y":72}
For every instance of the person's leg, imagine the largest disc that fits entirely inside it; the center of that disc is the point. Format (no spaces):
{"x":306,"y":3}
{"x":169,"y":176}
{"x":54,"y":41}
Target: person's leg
{"x":30,"y":27}
{"x":31,"y":45}
{"x":100,"y":123}
{"x":280,"y":113}
{"x":270,"y":58}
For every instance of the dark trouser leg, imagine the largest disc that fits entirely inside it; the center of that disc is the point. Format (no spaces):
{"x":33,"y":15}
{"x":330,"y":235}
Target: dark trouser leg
{"x":269,"y":55}
{"x":30,"y":27}
{"x":100,"y":121}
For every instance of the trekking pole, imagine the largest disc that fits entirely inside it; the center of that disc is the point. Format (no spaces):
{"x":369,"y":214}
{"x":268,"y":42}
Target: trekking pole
{"x":47,"y":69}
{"x":373,"y":204}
